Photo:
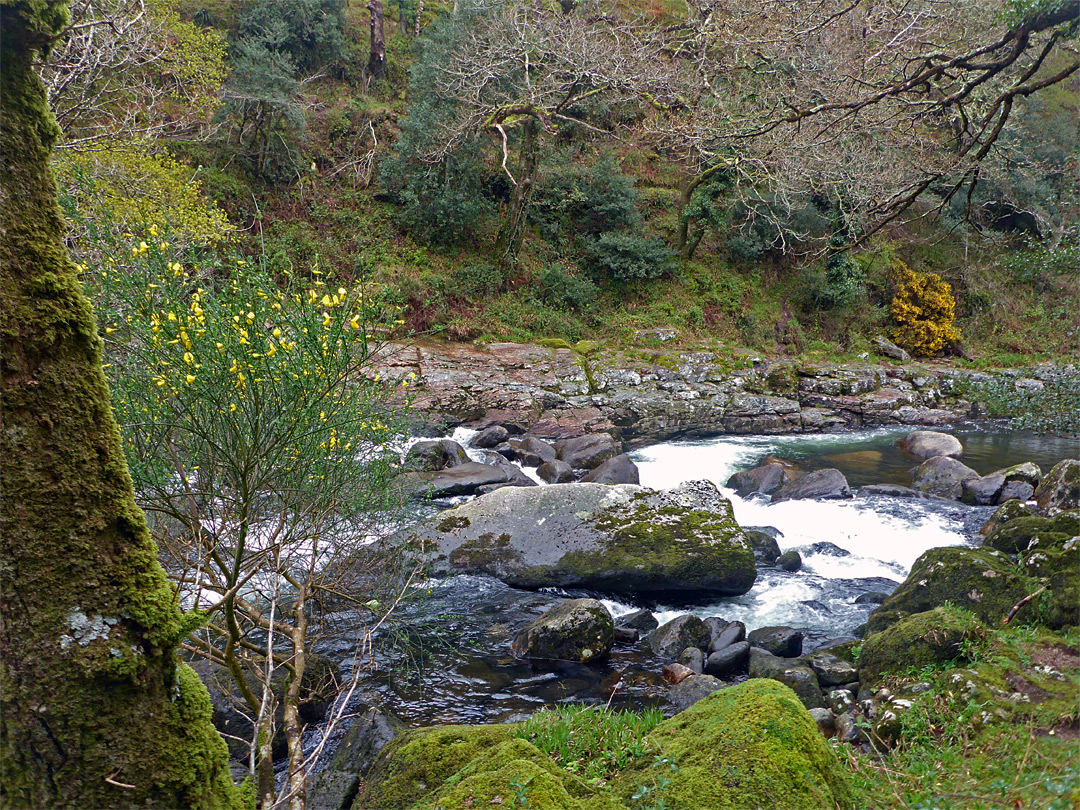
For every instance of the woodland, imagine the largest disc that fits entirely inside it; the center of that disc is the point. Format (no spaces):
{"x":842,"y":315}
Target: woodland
{"x":216,"y":214}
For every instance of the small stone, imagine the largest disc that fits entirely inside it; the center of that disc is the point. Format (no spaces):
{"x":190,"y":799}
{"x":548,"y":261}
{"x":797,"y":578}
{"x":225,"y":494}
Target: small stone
{"x":790,"y":561}
{"x":677,"y":673}
{"x":826,"y":722}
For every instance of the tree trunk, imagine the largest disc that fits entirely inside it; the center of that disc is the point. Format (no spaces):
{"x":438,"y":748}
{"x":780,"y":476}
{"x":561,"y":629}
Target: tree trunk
{"x":377,"y":57}
{"x":293,"y":726}
{"x":513,"y":229}
{"x":681,"y":239}
{"x":95,"y":711}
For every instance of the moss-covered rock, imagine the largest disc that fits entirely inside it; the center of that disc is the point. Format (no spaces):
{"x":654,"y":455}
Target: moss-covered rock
{"x":982,"y":580}
{"x":1007,"y":511}
{"x":412,"y":768}
{"x":1059,"y":489}
{"x":513,"y":769}
{"x":576,"y":630}
{"x":1014,"y":536}
{"x":749,"y":746}
{"x":916,"y":641}
{"x":1060,"y":604}
{"x":619,"y":539}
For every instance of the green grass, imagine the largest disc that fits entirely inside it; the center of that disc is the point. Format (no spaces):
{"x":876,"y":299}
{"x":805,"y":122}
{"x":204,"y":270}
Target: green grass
{"x":594,"y":743}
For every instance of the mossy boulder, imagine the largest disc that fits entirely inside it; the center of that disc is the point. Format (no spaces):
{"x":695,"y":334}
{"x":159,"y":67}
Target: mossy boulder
{"x":1060,"y":603}
{"x":1017,"y":534}
{"x":577,"y":630}
{"x":982,"y":580}
{"x":942,"y":476}
{"x":671,"y":638}
{"x":1059,"y":489}
{"x":622,"y":539}
{"x":917,"y":641}
{"x":749,"y":746}
{"x":517,"y":768}
{"x":1009,"y":510}
{"x":411,"y":769}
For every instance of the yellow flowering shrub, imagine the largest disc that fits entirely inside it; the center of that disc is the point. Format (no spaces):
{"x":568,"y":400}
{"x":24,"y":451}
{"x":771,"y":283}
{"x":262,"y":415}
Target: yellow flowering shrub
{"x":130,"y":188}
{"x":924,"y":312}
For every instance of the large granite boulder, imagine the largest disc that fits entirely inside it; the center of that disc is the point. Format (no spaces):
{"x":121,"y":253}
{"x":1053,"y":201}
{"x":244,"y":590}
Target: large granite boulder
{"x":983,"y":491}
{"x":1059,"y":489}
{"x":579,"y":630}
{"x":982,"y":580}
{"x":942,"y":476}
{"x":926,"y":444}
{"x":822,"y":484}
{"x":621,"y":539}
{"x":748,"y":746}
{"x":556,"y":472}
{"x":785,"y":642}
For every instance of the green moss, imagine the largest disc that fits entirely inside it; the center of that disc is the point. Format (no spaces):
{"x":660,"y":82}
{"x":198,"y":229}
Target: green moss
{"x":921,"y":640}
{"x":413,"y":767}
{"x":453,"y":522}
{"x":1014,"y":536}
{"x":981,"y":580}
{"x":512,"y":768}
{"x":749,"y":746}
{"x":553,"y":343}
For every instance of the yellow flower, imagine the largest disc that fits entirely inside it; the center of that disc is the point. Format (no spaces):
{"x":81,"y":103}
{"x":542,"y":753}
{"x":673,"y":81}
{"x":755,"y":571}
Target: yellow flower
{"x":190,"y":378}
{"x":232,"y":408}
{"x":189,"y":358}
{"x":277,"y":332}
{"x":326,"y":319}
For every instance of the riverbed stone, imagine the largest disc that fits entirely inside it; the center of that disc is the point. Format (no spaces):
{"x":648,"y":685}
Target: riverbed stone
{"x":435,"y":454}
{"x":1027,"y":472}
{"x":1007,"y":511}
{"x":983,"y":491}
{"x":641,"y":620}
{"x":785,"y":642}
{"x":982,"y":580}
{"x":730,"y":633}
{"x":617,"y":470}
{"x":587,"y":452}
{"x":463,"y":479}
{"x":766,"y":549}
{"x":1059,"y":489}
{"x":729,"y":660}
{"x":942,"y":476}
{"x":790,"y":561}
{"x":362,"y":743}
{"x":693,"y":658}
{"x":765,"y":479}
{"x":830,"y":670}
{"x":693,"y":688}
{"x":1015,"y":491}
{"x":799,"y":677}
{"x":827,"y":484}
{"x":531,"y":451}
{"x":577,"y":630}
{"x":620,"y":539}
{"x":556,"y":472}
{"x":671,"y":638}
{"x":926,"y":444}
{"x":826,"y":722}
{"x":890,"y":349}
{"x":748,"y":746}
{"x":490,"y":437}
{"x":918,"y":640}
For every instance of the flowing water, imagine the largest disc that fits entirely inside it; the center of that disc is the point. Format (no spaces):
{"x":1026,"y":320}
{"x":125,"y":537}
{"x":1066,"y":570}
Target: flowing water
{"x":459,"y":667}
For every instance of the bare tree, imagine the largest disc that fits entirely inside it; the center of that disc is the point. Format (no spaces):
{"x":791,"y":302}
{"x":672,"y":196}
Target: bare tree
{"x":377,"y":54}
{"x":123,"y":70}
{"x":521,"y":70}
{"x":874,"y":104}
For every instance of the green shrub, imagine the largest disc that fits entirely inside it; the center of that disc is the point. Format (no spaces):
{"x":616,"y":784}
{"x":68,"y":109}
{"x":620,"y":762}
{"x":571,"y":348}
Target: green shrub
{"x":630,"y":256}
{"x":311,"y":32}
{"x":479,"y":279}
{"x":577,"y":201}
{"x":559,"y":288}
{"x":924,"y":311}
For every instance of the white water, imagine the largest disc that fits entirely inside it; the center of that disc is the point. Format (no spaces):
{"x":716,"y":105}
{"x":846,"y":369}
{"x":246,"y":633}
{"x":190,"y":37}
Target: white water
{"x":884,"y":537}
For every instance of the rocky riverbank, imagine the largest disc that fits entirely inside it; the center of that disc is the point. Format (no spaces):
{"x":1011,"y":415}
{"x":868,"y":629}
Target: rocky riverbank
{"x":655,"y":394}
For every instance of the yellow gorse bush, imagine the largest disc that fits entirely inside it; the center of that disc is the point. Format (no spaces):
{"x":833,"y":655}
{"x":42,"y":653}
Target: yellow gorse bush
{"x":227,"y":370}
{"x":924,"y":311}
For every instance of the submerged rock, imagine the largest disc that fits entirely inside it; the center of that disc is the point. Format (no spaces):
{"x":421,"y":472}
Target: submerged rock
{"x":942,"y":476}
{"x":619,"y":539}
{"x":435,"y":454}
{"x":765,"y":479}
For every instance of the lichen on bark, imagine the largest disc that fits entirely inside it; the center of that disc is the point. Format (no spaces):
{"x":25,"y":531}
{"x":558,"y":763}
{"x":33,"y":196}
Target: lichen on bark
{"x":95,"y":710}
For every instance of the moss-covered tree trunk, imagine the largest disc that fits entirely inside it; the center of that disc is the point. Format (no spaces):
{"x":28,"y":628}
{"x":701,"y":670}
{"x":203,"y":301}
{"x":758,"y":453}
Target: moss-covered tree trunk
{"x":95,"y":710}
